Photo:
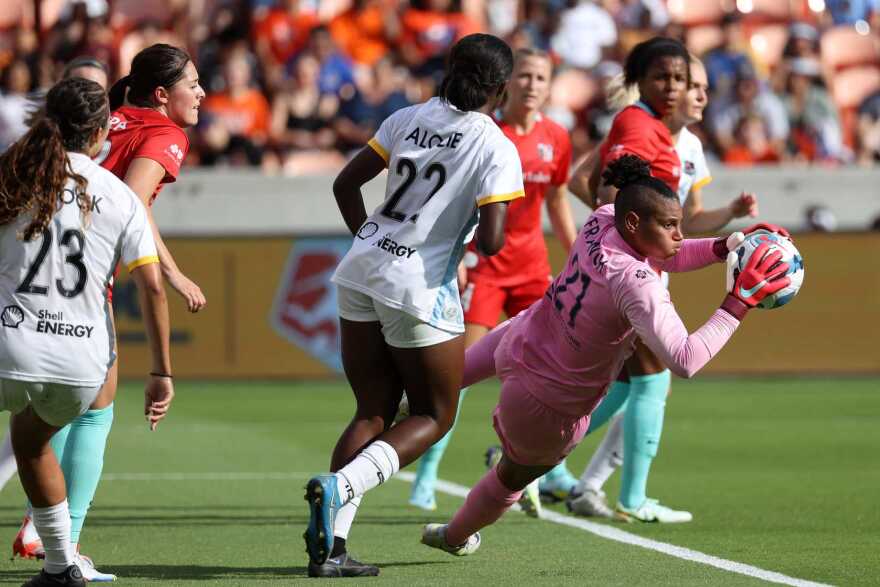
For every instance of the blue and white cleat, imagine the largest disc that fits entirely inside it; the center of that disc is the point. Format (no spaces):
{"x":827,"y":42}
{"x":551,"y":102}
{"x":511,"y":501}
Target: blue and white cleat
{"x":89,"y":572}
{"x":423,"y":496}
{"x":557,"y":487}
{"x":324,"y":502}
{"x":653,"y":511}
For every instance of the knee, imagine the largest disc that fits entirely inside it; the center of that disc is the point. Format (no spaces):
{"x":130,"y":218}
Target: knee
{"x":374,"y":422}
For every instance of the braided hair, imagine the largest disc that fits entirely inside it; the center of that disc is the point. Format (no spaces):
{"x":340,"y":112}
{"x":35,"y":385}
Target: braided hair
{"x":479,"y":67}
{"x":639,"y":191}
{"x":35,"y":169}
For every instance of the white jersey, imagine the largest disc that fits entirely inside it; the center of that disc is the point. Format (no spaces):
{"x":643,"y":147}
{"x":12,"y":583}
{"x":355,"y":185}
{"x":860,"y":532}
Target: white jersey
{"x":694,"y":169}
{"x":53,"y":289}
{"x":442,"y":165}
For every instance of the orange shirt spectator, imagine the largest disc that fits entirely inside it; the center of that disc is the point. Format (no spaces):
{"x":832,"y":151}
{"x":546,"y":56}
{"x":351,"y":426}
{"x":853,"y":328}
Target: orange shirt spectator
{"x":364,"y":31}
{"x":430,"y":32}
{"x":243,"y":114}
{"x":283,"y":32}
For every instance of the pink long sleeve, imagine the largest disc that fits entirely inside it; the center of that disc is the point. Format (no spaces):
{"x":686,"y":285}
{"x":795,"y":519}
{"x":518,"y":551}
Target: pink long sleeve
{"x":646,"y":304}
{"x":695,"y":253}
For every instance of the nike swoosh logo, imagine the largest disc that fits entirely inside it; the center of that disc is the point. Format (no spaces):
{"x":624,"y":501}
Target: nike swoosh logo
{"x":747,"y":293}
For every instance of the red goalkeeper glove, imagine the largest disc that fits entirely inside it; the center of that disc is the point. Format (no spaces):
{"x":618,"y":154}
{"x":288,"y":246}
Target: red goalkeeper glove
{"x":763,"y":275}
{"x":768,"y":227}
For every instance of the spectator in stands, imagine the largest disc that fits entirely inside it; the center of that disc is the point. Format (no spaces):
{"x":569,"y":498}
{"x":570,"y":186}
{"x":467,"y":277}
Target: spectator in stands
{"x":365,"y":31}
{"x":802,"y":42}
{"x":236,"y":120}
{"x":301,"y":116}
{"x":812,"y":116}
{"x":375,"y":98}
{"x":751,"y":144}
{"x":850,"y":12}
{"x":641,"y":15}
{"x":724,"y":61}
{"x":869,"y":130}
{"x":336,"y":71}
{"x":749,"y":99}
{"x":586,"y":33}
{"x":597,"y":117}
{"x":280,"y":35}
{"x":430,"y":28}
{"x":16,"y":82}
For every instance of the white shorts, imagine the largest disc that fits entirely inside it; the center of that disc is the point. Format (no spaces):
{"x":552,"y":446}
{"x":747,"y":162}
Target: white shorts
{"x":400,"y":330}
{"x":56,"y":404}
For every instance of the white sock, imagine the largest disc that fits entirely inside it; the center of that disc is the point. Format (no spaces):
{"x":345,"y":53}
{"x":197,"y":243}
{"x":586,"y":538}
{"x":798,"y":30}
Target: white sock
{"x":372,"y":467}
{"x":53,"y":526}
{"x":608,"y":456}
{"x":345,"y":518}
{"x":8,"y":467}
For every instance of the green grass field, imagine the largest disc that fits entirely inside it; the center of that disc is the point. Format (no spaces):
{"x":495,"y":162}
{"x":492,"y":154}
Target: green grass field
{"x":780,"y":474}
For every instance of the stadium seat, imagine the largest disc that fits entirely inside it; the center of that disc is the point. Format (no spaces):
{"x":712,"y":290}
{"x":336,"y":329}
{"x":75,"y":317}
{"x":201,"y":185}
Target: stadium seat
{"x":696,"y":12}
{"x":768,"y":42}
{"x":572,"y":89}
{"x":15,"y":14}
{"x":769,"y":10}
{"x":702,"y":38}
{"x":842,"y":47}
{"x":851,"y":86}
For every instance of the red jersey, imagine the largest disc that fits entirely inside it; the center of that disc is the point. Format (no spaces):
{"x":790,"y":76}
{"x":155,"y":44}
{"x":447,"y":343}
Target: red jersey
{"x":638,"y":131}
{"x":143,"y":132}
{"x":546,"y":156}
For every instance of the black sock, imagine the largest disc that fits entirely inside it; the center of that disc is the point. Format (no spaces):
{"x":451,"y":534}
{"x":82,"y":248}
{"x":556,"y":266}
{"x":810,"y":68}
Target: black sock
{"x":338,"y":547}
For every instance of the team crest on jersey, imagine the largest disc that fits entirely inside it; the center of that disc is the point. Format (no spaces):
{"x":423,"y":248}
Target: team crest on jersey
{"x":690,"y":168}
{"x":304,"y":311}
{"x":545,"y":151}
{"x":175,"y":152}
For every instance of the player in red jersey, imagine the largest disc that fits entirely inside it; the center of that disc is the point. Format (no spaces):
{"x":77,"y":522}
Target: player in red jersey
{"x":519,"y":274}
{"x":145,"y":148}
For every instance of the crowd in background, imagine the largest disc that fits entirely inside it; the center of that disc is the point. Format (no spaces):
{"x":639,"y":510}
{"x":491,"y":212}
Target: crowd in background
{"x":295,"y":86}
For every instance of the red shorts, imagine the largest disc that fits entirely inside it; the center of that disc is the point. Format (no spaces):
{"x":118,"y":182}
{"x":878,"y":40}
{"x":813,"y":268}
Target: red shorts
{"x":483,"y":301}
{"x":530,"y":432}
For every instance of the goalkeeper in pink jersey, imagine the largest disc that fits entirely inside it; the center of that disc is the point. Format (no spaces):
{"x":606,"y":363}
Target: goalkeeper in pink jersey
{"x":557,"y":359}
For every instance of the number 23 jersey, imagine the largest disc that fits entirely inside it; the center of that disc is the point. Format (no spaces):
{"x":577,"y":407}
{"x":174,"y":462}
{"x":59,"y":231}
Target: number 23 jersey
{"x":443,"y":164}
{"x":53,"y":306}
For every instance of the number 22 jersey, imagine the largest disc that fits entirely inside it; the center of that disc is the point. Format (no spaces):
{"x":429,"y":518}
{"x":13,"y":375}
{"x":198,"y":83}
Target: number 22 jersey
{"x":442,"y":165}
{"x":54,"y":321}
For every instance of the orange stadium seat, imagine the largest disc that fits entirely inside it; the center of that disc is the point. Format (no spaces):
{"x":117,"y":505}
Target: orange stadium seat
{"x":702,"y":38}
{"x":842,"y":47}
{"x":770,"y":10}
{"x":768,"y":42}
{"x":695,"y":12}
{"x":572,"y":89}
{"x":849,"y":88}
{"x":20,"y":13}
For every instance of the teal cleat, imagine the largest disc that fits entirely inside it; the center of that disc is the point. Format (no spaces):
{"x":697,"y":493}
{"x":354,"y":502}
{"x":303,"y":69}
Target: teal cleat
{"x":556,"y":485}
{"x":324,"y":502}
{"x":422,"y":496}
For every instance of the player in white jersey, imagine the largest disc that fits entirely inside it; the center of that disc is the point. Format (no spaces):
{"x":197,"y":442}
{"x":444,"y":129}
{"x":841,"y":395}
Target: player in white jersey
{"x":65,"y":223}
{"x":587,"y":497}
{"x":450,"y":171}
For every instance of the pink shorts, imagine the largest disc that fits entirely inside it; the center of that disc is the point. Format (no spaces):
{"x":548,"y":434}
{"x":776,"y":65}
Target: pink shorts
{"x":530,"y":432}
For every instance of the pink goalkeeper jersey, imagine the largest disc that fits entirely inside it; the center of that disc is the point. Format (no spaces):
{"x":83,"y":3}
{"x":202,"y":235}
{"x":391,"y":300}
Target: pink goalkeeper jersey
{"x":572,"y":343}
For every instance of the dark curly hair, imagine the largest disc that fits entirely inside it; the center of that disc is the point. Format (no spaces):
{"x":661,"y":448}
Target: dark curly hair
{"x":35,"y":169}
{"x":479,"y":66}
{"x":647,"y":52}
{"x":639,"y":191}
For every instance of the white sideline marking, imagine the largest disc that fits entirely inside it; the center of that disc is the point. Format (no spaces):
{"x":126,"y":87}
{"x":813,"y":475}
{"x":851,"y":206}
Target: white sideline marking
{"x":618,"y":535}
{"x":204,"y":476}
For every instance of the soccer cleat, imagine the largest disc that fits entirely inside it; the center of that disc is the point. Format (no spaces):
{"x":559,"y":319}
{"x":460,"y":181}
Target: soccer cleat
{"x":89,"y":572}
{"x":423,"y":496}
{"x":70,"y":577}
{"x":402,"y":410}
{"x":590,"y":503}
{"x":342,"y":566}
{"x":434,"y":535}
{"x":324,"y":502}
{"x":27,"y":542}
{"x":530,"y":501}
{"x":558,"y":487}
{"x":493,"y":456}
{"x":652,"y":511}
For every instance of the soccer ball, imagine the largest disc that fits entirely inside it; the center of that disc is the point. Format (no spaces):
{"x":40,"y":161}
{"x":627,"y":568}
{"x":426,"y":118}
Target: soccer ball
{"x":790,"y":255}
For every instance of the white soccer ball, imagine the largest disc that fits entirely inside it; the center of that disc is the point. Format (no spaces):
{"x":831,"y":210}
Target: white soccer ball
{"x":790,"y":255}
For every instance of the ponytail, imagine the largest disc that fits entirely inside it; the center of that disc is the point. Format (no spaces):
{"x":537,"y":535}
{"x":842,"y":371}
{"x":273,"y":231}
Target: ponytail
{"x":619,"y":94}
{"x":118,"y":91}
{"x":479,"y":66}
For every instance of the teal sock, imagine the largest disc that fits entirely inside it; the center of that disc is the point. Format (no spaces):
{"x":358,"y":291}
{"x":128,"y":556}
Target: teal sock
{"x":612,"y":403}
{"x":642,"y":426}
{"x":429,"y":463}
{"x":83,"y":462}
{"x":560,"y":471}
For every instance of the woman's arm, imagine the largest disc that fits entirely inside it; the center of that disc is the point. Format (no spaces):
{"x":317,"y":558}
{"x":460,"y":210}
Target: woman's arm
{"x":490,"y":230}
{"x":366,"y":165}
{"x":698,"y":220}
{"x":559,"y":212}
{"x":581,"y":181}
{"x":143,"y":177}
